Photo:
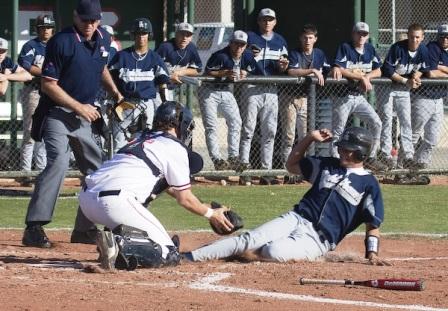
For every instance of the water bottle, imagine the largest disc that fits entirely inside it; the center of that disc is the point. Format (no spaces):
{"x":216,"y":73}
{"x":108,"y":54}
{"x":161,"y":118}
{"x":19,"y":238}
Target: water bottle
{"x":236,"y":71}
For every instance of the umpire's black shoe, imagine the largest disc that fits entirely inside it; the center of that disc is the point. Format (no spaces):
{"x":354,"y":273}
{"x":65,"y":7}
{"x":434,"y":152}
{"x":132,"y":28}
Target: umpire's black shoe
{"x":35,"y":236}
{"x":84,"y":237}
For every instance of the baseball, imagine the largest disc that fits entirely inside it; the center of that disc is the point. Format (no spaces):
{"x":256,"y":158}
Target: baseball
{"x":223,"y":182}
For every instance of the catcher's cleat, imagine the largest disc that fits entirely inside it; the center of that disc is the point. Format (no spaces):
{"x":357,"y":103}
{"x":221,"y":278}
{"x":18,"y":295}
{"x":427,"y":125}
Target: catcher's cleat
{"x":84,"y":237}
{"x":35,"y":236}
{"x":176,"y":240}
{"x":108,"y":249}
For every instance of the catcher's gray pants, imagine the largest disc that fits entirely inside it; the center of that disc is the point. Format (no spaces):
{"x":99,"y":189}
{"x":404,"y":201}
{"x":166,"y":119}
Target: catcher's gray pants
{"x":397,"y":99}
{"x":427,"y":118}
{"x":223,"y":101}
{"x":261,"y":100}
{"x":287,"y":237}
{"x":293,"y":114}
{"x":358,"y":106}
{"x":63,"y":132}
{"x":29,"y":98}
{"x":119,"y":129}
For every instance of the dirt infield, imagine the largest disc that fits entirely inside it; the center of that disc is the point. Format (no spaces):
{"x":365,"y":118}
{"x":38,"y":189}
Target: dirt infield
{"x":55,"y":279}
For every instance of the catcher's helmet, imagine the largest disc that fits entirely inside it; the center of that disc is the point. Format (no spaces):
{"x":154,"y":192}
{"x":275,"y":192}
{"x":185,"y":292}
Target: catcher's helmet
{"x":44,"y":21}
{"x":174,"y":115}
{"x":356,"y":139}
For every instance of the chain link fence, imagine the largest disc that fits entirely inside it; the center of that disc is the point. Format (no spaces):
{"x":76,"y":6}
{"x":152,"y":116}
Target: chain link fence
{"x":255,"y":121}
{"x":396,"y":15}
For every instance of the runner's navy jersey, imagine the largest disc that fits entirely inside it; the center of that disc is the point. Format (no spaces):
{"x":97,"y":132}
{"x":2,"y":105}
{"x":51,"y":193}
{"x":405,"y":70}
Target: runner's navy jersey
{"x":436,"y":56}
{"x":340,"y":199}
{"x":137,"y":76}
{"x":75,"y":63}
{"x":317,"y":60}
{"x":349,"y":58}
{"x":270,"y":51}
{"x":222,"y":59}
{"x":7,"y":63}
{"x":174,"y":56}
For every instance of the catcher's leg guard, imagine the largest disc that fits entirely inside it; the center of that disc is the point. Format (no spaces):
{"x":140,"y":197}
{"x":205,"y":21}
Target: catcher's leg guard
{"x":173,"y":257}
{"x":136,"y":248}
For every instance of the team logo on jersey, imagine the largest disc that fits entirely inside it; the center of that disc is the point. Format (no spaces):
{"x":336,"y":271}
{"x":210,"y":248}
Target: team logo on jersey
{"x":342,"y":185}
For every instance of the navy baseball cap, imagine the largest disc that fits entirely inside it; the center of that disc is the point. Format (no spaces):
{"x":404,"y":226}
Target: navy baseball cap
{"x":89,"y":9}
{"x":44,"y":21}
{"x":142,"y":25}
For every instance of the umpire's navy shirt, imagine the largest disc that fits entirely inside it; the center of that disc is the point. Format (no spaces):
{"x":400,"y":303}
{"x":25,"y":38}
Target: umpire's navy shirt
{"x":76,"y":63}
{"x":340,"y":199}
{"x":7,"y":63}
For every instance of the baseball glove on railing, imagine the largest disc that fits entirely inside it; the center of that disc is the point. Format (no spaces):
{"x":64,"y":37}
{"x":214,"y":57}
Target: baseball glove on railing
{"x":232,"y":216}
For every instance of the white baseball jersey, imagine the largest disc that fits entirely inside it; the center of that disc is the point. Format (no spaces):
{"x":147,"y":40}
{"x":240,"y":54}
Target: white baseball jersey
{"x":129,"y":171}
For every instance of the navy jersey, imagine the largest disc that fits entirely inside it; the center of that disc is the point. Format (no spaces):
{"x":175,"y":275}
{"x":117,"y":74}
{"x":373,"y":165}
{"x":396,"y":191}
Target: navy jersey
{"x":349,"y":58}
{"x":398,"y":60}
{"x":436,"y":56}
{"x":317,"y":60}
{"x":136,"y":76}
{"x":270,"y":53}
{"x":340,"y":199}
{"x":174,"y":56}
{"x":32,"y":54}
{"x":7,"y":63}
{"x":222,"y":59}
{"x":76,"y":63}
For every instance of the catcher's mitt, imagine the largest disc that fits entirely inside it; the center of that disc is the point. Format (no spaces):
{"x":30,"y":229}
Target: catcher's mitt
{"x":120,"y":107}
{"x":233,"y":217}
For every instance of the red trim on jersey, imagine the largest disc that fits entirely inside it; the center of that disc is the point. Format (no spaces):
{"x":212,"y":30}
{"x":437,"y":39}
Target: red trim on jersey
{"x":183,"y":187}
{"x":49,"y":78}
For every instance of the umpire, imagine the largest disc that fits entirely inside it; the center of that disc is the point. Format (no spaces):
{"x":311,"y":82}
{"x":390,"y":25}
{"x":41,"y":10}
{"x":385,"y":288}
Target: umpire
{"x":74,"y":66}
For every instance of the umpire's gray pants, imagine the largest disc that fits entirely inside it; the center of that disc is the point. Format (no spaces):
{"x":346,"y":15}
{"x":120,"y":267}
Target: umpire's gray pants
{"x":63,"y":132}
{"x":358,"y":106}
{"x":287,"y":237}
{"x":399,"y":100}
{"x":223,"y":101}
{"x":427,"y":119}
{"x":261,"y":100}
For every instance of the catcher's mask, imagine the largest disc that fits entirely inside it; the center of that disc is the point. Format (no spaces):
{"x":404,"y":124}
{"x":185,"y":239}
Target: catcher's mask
{"x":356,"y":139}
{"x":172,"y":114}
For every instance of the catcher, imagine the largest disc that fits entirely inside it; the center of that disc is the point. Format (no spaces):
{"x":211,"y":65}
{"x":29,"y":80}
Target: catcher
{"x":116,"y":193}
{"x":343,"y":196}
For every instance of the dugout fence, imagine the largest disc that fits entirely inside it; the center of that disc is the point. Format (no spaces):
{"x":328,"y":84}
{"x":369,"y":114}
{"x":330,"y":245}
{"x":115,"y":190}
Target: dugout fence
{"x":320,"y":101}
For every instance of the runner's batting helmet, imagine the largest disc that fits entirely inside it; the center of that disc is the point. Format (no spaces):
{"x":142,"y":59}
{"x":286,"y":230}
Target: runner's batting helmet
{"x":356,"y":139}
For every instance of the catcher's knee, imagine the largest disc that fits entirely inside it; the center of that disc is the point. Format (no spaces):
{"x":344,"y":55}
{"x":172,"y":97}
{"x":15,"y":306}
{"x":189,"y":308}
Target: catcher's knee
{"x":137,"y":249}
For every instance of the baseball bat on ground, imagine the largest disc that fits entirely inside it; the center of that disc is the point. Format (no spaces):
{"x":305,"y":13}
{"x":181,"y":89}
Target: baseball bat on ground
{"x":392,"y":284}
{"x":190,"y":80}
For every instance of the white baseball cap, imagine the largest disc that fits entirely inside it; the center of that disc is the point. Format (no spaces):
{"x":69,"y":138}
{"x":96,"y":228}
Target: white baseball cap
{"x":185,"y":27}
{"x":109,"y":29}
{"x":267,"y":12}
{"x":239,"y":36}
{"x":361,"y":27}
{"x":442,"y":29}
{"x":3,"y":44}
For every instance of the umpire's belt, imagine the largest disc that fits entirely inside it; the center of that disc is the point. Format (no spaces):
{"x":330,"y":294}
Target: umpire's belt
{"x":106,"y":193}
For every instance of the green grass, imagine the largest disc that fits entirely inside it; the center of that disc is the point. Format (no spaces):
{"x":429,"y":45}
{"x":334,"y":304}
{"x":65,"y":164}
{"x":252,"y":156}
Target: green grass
{"x":408,"y":208}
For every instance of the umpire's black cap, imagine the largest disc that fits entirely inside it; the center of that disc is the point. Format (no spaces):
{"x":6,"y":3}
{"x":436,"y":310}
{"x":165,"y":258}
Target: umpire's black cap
{"x":142,"y":25}
{"x":45,"y":21}
{"x":89,"y":9}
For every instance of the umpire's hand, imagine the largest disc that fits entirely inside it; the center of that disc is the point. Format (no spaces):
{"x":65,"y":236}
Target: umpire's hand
{"x":88,"y":112}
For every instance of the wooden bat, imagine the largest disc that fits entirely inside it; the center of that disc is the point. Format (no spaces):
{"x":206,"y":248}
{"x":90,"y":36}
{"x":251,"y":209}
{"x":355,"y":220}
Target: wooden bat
{"x":190,"y":80}
{"x":392,"y":284}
